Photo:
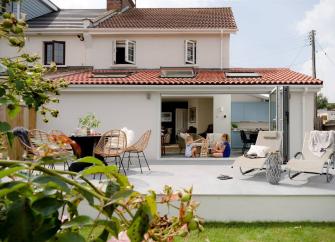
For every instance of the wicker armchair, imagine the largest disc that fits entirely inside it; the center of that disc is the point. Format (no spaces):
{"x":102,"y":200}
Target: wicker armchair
{"x":138,"y":149}
{"x":112,"y":144}
{"x":36,"y":138}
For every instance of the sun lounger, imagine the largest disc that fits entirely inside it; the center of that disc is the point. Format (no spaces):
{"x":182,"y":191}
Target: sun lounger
{"x":307,"y":162}
{"x":270,"y":139}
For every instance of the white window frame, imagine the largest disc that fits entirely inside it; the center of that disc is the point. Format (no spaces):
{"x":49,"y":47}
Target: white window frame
{"x":128,"y":44}
{"x":193,"y":59}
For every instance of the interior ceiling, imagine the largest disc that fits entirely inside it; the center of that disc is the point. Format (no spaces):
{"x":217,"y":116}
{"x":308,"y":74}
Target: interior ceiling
{"x":187,"y":98}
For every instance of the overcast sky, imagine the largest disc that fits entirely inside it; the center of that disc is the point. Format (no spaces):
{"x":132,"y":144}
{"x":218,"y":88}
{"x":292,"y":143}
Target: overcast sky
{"x":272,"y":33}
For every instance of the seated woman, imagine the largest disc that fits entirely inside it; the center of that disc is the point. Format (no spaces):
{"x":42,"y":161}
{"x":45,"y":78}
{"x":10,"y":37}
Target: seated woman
{"x":222,"y":149}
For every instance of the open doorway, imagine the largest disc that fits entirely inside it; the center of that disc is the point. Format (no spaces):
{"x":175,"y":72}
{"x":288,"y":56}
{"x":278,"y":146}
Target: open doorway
{"x":208,"y":117}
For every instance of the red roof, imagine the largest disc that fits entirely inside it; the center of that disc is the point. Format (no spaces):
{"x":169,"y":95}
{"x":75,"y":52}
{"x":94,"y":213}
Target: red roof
{"x":268,"y":76}
{"x":172,"y":18}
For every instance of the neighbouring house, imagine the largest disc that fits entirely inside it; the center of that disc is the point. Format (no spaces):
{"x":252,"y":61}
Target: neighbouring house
{"x":163,"y":69}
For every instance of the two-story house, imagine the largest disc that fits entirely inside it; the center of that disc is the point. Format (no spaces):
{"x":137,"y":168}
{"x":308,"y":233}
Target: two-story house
{"x":165,"y":68}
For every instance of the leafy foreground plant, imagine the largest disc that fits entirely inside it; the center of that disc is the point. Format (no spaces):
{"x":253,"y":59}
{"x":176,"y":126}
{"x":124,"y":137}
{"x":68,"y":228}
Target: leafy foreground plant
{"x":44,"y":206}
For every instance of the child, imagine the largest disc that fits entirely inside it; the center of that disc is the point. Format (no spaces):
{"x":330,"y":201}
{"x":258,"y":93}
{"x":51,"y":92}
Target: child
{"x":190,"y":149}
{"x":222,"y":149}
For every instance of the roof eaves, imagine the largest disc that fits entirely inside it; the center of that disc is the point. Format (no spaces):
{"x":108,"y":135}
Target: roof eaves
{"x":50,"y":4}
{"x":190,"y":30}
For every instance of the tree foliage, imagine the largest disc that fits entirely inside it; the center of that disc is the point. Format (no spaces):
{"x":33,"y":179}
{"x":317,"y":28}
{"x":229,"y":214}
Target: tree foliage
{"x":24,"y":82}
{"x":47,"y":205}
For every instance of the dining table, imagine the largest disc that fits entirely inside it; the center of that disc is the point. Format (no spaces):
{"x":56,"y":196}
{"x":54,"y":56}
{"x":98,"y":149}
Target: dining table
{"x":87,"y":144}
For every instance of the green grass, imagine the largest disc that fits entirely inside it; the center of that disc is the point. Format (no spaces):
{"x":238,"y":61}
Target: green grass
{"x":261,"y":232}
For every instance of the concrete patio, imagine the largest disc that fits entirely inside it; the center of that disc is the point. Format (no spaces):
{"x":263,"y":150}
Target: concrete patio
{"x":243,"y":198}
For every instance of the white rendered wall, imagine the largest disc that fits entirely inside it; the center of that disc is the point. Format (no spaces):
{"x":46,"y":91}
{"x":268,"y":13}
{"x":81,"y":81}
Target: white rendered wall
{"x":301,"y":118}
{"x":154,"y":51}
{"x":222,"y":113}
{"x":75,"y":53}
{"x":115,"y":111}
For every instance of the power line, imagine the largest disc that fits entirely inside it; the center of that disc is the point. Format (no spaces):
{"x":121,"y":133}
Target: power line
{"x":326,"y":54}
{"x":297,"y":56}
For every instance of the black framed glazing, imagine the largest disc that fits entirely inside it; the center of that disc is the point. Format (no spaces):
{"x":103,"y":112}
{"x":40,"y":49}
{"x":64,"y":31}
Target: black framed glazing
{"x":54,"y":51}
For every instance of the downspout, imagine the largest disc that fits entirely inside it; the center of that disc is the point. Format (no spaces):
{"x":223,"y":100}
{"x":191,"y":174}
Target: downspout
{"x":303,"y":112}
{"x":221,"y":50}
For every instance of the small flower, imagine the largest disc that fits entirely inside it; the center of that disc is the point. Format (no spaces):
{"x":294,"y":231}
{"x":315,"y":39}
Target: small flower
{"x":123,"y":237}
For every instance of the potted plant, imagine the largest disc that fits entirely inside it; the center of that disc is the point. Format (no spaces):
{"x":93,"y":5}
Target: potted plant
{"x":89,"y":122}
{"x":234,"y":126}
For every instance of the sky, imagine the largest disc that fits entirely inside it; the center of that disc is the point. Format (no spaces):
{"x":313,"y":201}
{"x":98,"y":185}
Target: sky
{"x":272,"y":33}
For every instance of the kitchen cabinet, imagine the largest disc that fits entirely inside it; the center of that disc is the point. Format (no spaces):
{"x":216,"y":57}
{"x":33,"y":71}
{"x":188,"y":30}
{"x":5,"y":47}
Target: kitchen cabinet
{"x":250,"y":112}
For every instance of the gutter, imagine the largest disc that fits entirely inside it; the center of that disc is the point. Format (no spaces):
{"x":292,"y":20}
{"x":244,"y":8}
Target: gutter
{"x":111,"y":31}
{"x":210,"y":89}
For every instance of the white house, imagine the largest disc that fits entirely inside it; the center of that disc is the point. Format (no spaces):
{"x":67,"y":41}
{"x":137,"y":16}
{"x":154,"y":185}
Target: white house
{"x":129,"y":65}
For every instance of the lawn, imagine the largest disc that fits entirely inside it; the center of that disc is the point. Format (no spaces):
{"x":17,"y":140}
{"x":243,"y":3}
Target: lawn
{"x":304,"y":232}
{"x":261,"y":232}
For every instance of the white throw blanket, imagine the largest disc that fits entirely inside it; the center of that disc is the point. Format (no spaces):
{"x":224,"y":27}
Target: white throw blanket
{"x":319,"y":141}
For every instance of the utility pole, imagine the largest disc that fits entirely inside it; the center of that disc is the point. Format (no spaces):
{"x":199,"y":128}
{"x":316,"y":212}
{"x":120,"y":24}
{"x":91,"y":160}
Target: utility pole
{"x":312,"y":43}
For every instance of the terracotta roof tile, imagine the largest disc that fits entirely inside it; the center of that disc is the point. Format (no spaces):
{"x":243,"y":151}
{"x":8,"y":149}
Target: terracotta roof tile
{"x":269,"y":76}
{"x":172,"y":18}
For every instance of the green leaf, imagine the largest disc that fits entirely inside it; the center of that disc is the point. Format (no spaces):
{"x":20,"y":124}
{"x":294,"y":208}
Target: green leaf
{"x":52,"y":160}
{"x":121,"y":195}
{"x":89,"y":197}
{"x":19,"y":85}
{"x":139,"y":226}
{"x":122,"y":180}
{"x":10,"y":171}
{"x":47,"y":205}
{"x":47,"y":228}
{"x":10,"y":138}
{"x":52,"y":181}
{"x":79,"y":221}
{"x":2,"y":91}
{"x":4,"y":127}
{"x":111,"y":188}
{"x":10,"y":187}
{"x":92,"y":160}
{"x":112,"y":226}
{"x":20,"y":221}
{"x":13,"y":110}
{"x":150,"y":205}
{"x":99,"y":169}
{"x":70,"y":237}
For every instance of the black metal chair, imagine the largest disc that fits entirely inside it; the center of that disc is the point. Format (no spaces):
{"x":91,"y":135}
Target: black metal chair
{"x":246,"y":142}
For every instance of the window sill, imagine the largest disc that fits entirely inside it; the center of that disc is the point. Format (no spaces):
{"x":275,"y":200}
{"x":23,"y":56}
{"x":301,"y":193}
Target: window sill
{"x":124,"y":65}
{"x":56,"y":65}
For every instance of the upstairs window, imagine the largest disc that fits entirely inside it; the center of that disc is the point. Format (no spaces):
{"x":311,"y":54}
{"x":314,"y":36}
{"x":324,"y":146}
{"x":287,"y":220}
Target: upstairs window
{"x":124,"y":52}
{"x":190,"y":52}
{"x":54,"y":51}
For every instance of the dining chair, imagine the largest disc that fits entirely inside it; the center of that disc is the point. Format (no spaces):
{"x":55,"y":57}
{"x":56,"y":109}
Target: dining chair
{"x":138,"y":149}
{"x":112,"y":144}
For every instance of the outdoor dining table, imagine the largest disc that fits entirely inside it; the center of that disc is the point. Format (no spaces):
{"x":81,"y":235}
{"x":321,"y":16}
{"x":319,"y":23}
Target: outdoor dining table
{"x":87,"y":145}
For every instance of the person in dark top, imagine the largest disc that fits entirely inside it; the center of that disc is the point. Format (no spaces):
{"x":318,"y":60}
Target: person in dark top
{"x":222,"y":149}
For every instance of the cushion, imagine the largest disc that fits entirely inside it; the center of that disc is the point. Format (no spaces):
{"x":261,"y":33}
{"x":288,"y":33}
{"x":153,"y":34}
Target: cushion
{"x":270,"y":135}
{"x":130,"y":136}
{"x":259,"y":151}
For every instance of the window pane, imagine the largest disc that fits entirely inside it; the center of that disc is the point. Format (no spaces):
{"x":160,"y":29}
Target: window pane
{"x":59,"y":53}
{"x":48,"y":53}
{"x":131,"y":52}
{"x":190,"y":52}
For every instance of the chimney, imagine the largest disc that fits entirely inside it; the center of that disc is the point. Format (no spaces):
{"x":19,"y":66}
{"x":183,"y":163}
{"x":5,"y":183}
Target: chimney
{"x":118,"y":5}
